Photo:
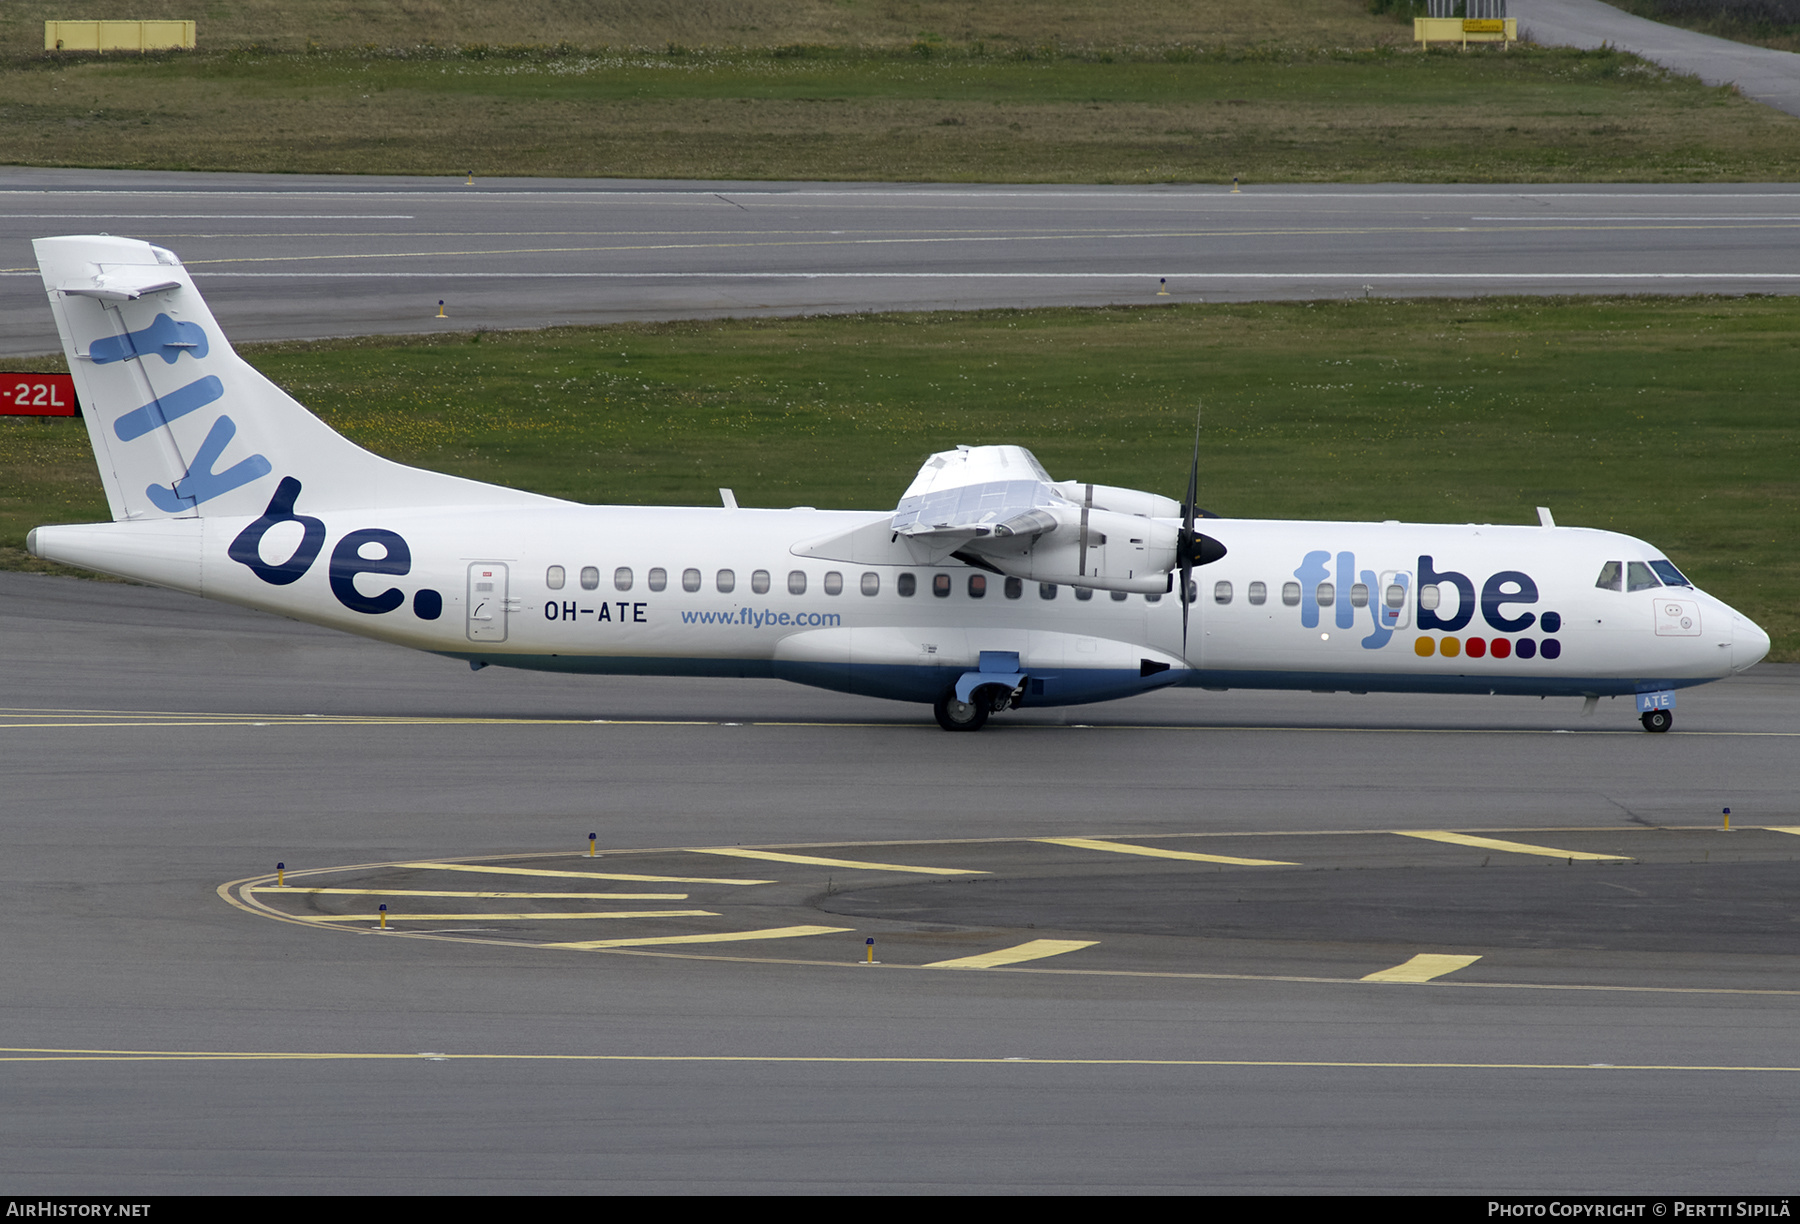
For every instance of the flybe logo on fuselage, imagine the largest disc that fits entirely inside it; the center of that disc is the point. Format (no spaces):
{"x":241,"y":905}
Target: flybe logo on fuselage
{"x":1429,"y":600}
{"x":348,"y":559}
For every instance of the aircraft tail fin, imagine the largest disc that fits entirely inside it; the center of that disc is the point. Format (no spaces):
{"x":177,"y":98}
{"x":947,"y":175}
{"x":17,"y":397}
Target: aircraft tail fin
{"x":181,"y":425}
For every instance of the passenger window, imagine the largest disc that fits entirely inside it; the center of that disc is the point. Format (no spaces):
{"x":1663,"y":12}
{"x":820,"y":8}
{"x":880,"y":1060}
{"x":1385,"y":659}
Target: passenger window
{"x":796,"y":582}
{"x":590,"y":578}
{"x":759,"y":582}
{"x":871,"y":583}
{"x":1119,"y":596}
{"x":727,"y":581}
{"x":1290,"y":594}
{"x":1084,"y":593}
{"x":622,"y":578}
{"x":1359,"y":596}
{"x":1429,"y":596}
{"x":658,"y":578}
{"x":1396,"y":596}
{"x":1046,"y":590}
{"x":554,"y":578}
{"x":906,"y":584}
{"x":1193,"y":594}
{"x":1326,"y":594}
{"x":1610,"y":577}
{"x":1259,"y":594}
{"x":690,"y":580}
{"x":1153,"y":597}
{"x":940,"y":585}
{"x":834,"y":583}
{"x":977,"y":586}
{"x":1638,"y":577}
{"x":1221,"y":592}
{"x":1014,"y":588}
{"x":1669,"y":574}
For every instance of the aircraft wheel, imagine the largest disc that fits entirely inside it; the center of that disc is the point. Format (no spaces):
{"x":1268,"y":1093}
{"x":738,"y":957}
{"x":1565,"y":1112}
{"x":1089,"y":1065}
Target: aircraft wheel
{"x":1657,"y":720}
{"x":954,"y":715}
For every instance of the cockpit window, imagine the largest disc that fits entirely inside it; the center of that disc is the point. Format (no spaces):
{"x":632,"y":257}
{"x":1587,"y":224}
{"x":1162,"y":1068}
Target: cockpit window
{"x":1610,"y":575}
{"x":1669,"y":574}
{"x":1638,"y":577}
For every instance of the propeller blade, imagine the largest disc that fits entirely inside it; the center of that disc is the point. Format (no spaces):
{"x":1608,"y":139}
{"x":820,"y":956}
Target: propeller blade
{"x":1187,"y":534}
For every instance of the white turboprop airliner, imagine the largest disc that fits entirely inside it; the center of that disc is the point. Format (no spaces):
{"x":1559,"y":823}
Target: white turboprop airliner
{"x":989,"y":587}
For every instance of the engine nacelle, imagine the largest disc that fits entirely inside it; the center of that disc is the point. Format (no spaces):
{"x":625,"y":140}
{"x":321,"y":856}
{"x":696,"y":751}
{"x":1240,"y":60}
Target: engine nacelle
{"x":1118,"y":500}
{"x":1112,"y":552}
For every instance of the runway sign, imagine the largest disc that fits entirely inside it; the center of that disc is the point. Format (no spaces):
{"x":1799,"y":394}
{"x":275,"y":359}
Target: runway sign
{"x":37,"y":395}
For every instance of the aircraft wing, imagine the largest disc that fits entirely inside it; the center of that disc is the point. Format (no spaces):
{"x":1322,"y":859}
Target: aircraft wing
{"x":979,"y":491}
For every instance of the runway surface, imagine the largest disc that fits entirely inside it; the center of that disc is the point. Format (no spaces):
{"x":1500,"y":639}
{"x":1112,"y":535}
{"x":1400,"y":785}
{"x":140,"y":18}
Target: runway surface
{"x":1195,"y":941}
{"x":285,"y":256}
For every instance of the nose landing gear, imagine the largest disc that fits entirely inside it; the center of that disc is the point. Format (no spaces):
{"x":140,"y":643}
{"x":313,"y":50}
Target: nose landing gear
{"x":1657,"y":720}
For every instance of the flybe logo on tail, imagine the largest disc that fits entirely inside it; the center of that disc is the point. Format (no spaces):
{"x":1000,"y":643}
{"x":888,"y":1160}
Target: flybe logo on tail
{"x":1440,"y":601}
{"x":164,"y":338}
{"x":169,"y":339}
{"x":348,"y":559}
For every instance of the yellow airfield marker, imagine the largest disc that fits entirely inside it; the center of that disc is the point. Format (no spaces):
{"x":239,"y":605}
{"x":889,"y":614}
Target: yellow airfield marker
{"x":1094,"y":843}
{"x":576,"y":915}
{"x":812,"y":860}
{"x":1036,"y":949}
{"x":789,"y":932}
{"x":1794,"y":829}
{"x":576,"y":875}
{"x":1512,"y":847}
{"x":1423,"y":968}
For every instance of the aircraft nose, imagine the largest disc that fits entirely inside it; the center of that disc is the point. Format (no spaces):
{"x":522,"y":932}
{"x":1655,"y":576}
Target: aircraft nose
{"x":1748,"y":643}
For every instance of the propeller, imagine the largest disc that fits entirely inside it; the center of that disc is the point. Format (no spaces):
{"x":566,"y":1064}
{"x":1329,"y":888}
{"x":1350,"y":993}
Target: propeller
{"x":1184,"y":546}
{"x":1192,"y":548}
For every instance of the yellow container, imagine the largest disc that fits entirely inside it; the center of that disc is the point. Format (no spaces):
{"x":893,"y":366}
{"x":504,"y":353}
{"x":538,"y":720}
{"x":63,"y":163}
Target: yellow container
{"x":118,"y":36}
{"x":1427,"y":30}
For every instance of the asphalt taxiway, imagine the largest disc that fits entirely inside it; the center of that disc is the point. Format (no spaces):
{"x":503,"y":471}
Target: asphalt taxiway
{"x":1196,"y":941}
{"x":286,"y":256}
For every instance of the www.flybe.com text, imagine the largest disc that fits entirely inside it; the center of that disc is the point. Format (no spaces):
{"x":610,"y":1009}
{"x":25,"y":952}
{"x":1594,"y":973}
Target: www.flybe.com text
{"x":750,"y":618}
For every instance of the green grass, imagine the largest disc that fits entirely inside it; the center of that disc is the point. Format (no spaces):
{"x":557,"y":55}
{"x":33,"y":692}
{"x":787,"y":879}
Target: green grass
{"x":1529,"y":115}
{"x":1667,"y":419}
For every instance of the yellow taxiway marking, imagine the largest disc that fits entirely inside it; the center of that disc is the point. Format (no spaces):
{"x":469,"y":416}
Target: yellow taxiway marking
{"x":1423,"y":968}
{"x":275,"y":890}
{"x":41,"y":1054}
{"x":788,"y":932}
{"x":1036,"y":949}
{"x":1513,"y":847}
{"x":1794,"y":829}
{"x":405,"y":917}
{"x":1093,"y":843}
{"x":575,"y":875}
{"x":813,"y":860}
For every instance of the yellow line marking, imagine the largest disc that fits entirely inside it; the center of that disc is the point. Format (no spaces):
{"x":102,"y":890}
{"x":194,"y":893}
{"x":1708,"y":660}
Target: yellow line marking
{"x":816,"y":861}
{"x":1036,"y":949}
{"x":392,"y":917}
{"x":1794,"y":829}
{"x":34,"y":1054}
{"x":276,"y":891}
{"x":576,"y":875}
{"x":1093,"y":843}
{"x":1423,"y":968}
{"x":789,"y":932}
{"x":1512,"y":847}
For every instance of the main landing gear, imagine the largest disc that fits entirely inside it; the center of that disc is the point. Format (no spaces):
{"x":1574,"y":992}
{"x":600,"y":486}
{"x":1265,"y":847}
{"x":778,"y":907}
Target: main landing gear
{"x":1657,"y":720}
{"x":954,"y":715}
